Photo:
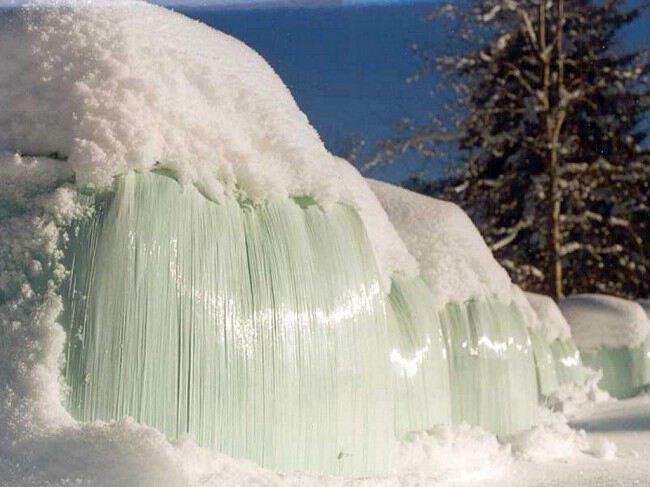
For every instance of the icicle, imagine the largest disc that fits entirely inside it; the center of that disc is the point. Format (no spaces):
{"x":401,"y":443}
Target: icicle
{"x":419,"y":359}
{"x":259,"y":330}
{"x":547,"y":381}
{"x":568,"y":362}
{"x":491,"y":364}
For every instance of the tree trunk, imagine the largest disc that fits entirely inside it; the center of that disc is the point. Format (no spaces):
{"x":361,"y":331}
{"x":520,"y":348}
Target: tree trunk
{"x":554,"y":119}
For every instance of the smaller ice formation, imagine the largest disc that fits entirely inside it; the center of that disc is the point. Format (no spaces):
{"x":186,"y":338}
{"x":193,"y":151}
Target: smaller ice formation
{"x":557,"y":332}
{"x":419,"y":360}
{"x":547,"y":381}
{"x":612,"y":335}
{"x":492,"y":370}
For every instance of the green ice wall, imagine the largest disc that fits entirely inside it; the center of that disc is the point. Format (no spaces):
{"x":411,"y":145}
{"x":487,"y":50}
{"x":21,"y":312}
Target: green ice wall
{"x":568,"y":362}
{"x":261,"y":331}
{"x":626,"y":371}
{"x":547,"y":381}
{"x":641,"y":366}
{"x":419,"y":358}
{"x":492,"y":369}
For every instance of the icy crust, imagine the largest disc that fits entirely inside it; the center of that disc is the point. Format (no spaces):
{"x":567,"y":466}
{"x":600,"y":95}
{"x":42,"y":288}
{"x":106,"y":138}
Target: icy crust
{"x":552,"y":322}
{"x":598,"y":320}
{"x":453,"y":257}
{"x":117,"y":86}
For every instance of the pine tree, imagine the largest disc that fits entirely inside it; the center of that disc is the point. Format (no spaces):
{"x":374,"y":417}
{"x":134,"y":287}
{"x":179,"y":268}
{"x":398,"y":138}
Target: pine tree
{"x":556,"y":173}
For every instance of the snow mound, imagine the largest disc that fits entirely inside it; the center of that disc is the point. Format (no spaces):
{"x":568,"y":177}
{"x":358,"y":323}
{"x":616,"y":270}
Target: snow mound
{"x":455,"y":454}
{"x":552,"y":322}
{"x":117,"y":86}
{"x":599,"y":321}
{"x":554,"y":440}
{"x":453,"y":257}
{"x":572,"y":399}
{"x":124,"y":453}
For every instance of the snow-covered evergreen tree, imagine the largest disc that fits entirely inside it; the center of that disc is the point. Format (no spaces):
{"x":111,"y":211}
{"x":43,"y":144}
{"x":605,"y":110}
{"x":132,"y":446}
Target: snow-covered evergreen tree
{"x":557,"y":175}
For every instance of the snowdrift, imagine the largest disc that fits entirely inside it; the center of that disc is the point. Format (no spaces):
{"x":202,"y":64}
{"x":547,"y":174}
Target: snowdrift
{"x":611,"y":334}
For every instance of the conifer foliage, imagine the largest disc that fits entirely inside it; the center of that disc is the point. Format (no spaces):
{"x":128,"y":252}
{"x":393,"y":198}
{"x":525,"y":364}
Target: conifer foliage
{"x":557,"y":168}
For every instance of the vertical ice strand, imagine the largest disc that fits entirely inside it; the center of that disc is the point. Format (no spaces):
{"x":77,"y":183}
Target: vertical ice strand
{"x":547,"y":378}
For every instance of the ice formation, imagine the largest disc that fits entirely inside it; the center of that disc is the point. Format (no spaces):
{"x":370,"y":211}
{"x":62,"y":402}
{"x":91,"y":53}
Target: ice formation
{"x":419,"y":360}
{"x":557,"y":358}
{"x":178,"y":241}
{"x":491,"y":361}
{"x":547,"y":381}
{"x":612,"y":335}
{"x":117,"y":86}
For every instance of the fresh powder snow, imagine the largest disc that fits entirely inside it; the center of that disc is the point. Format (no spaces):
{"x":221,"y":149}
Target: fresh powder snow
{"x":598,"y":320}
{"x":116,"y":86}
{"x":552,"y":322}
{"x":453,"y":257}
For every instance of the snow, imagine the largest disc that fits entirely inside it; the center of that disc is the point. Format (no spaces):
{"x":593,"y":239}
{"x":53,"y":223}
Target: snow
{"x":530,"y":315}
{"x":570,"y":399}
{"x":552,"y":321}
{"x":541,"y":313}
{"x":605,"y":321}
{"x":117,"y":86}
{"x":103,"y":90}
{"x":454,"y":259}
{"x":127,"y":454}
{"x":645,"y":304}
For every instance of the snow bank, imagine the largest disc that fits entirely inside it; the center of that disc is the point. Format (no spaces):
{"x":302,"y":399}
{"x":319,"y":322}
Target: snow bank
{"x":571,"y":399}
{"x":124,"y":453}
{"x":118,"y":86}
{"x":605,"y":321}
{"x":553,"y":439}
{"x":552,"y":322}
{"x":453,"y":257}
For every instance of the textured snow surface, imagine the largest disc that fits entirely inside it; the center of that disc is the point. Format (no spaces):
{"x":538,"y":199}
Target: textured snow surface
{"x":552,"y":322}
{"x":119,"y":86}
{"x":453,"y":257}
{"x":598,"y":320}
{"x":645,"y":304}
{"x":530,"y":315}
{"x":126,"y":454}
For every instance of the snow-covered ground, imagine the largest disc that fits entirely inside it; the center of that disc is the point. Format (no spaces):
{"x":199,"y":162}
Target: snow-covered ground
{"x":625,"y":423}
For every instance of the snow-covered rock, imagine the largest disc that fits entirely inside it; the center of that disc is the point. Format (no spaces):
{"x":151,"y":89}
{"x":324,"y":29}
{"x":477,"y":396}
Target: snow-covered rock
{"x":598,"y":320}
{"x":453,"y":257}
